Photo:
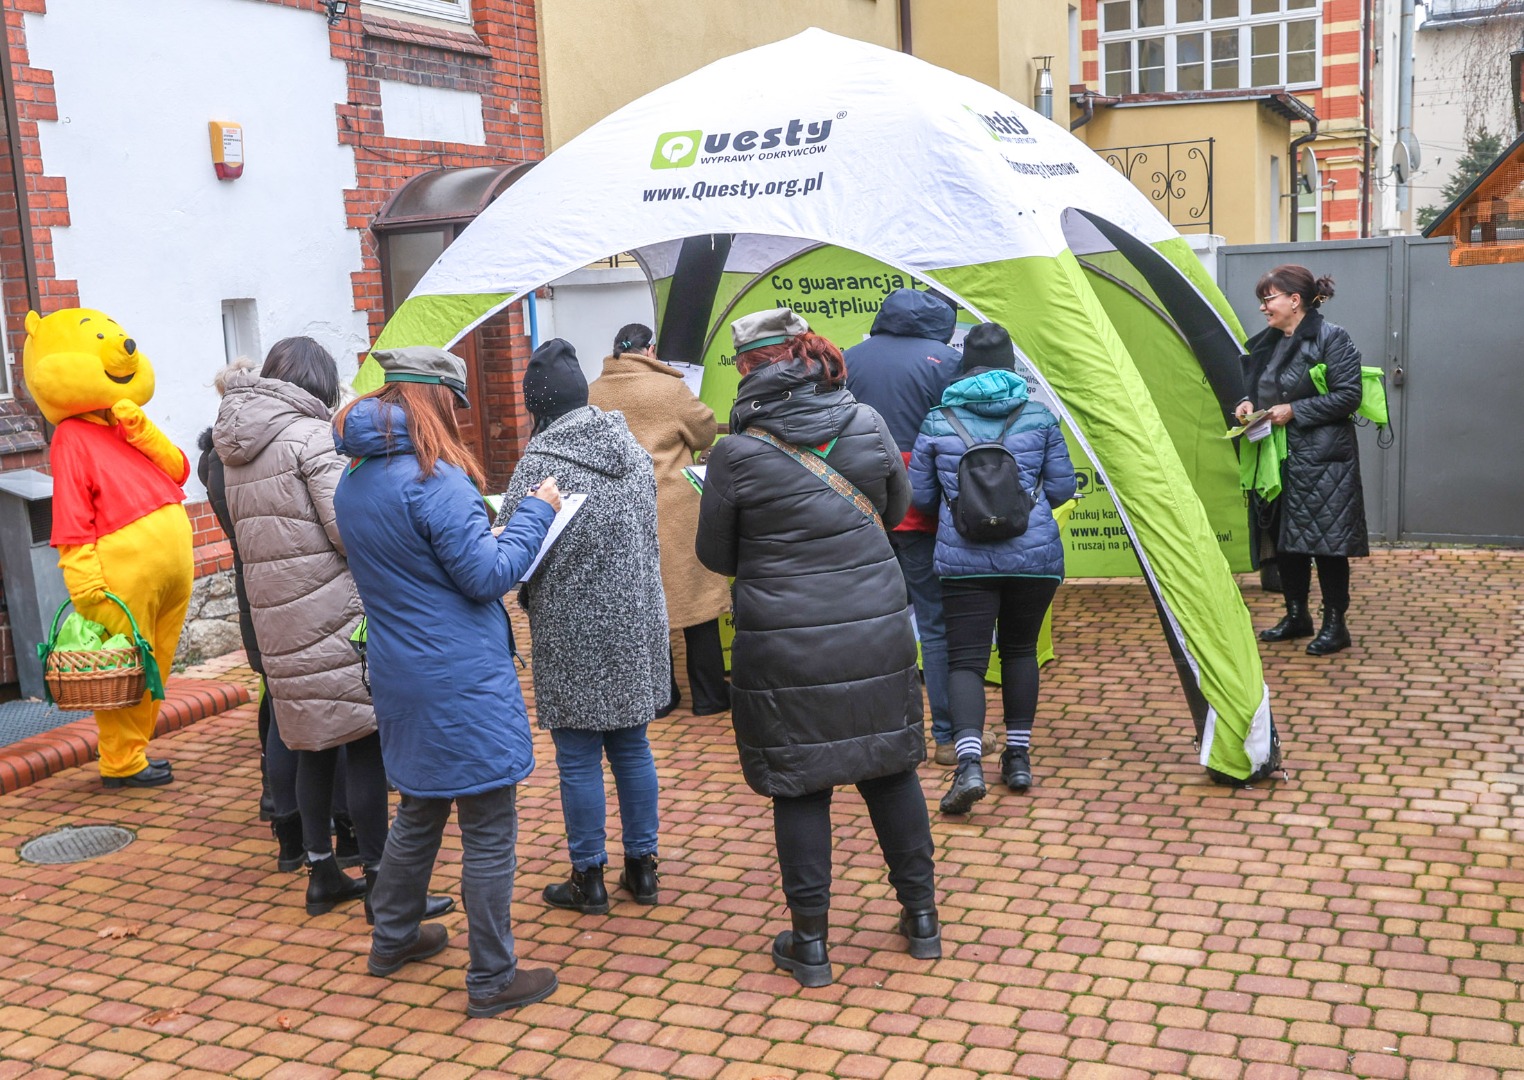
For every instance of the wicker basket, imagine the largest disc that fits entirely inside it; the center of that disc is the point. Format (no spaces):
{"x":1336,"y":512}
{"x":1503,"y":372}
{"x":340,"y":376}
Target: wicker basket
{"x":97,"y":678}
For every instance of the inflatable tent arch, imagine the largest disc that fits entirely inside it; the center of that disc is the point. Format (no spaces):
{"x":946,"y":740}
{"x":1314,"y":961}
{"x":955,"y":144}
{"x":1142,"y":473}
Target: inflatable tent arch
{"x":822,"y":140}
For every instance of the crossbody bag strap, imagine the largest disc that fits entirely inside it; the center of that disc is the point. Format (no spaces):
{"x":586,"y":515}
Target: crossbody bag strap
{"x":833,"y":479}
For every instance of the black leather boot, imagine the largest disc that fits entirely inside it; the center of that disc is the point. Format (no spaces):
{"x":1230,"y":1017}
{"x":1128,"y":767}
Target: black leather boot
{"x":433,"y":907}
{"x":328,"y":886}
{"x":583,"y":892}
{"x":1332,"y":637}
{"x":640,"y":878}
{"x":288,"y":834}
{"x":346,"y":845}
{"x":924,"y":932}
{"x":802,"y":951}
{"x":1297,"y":623}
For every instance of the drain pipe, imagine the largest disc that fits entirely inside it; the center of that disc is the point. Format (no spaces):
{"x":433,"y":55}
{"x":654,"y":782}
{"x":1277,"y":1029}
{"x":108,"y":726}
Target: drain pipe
{"x":1088,"y":101}
{"x":1405,"y":103}
{"x":1291,"y":152}
{"x":905,"y":27}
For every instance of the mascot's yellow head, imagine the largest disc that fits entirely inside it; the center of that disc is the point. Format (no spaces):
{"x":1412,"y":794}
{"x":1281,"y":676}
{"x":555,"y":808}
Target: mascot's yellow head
{"x":78,"y":361}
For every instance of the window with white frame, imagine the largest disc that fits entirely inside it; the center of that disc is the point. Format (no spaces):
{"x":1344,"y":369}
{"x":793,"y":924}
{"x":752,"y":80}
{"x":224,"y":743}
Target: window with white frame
{"x":453,"y":10}
{"x":1173,"y":46}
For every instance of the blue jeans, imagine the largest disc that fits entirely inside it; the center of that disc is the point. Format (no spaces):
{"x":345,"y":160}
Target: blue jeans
{"x":579,"y":757}
{"x":914,"y":551}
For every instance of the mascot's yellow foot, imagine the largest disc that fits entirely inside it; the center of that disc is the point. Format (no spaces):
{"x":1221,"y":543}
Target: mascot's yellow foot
{"x":154,"y":775}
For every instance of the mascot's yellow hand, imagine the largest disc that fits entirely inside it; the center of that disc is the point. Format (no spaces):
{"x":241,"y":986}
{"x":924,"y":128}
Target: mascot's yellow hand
{"x":82,"y":573}
{"x":152,"y":443}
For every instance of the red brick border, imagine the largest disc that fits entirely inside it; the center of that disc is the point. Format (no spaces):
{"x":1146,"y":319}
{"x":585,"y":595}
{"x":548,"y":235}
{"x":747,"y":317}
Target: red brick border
{"x":75,"y":743}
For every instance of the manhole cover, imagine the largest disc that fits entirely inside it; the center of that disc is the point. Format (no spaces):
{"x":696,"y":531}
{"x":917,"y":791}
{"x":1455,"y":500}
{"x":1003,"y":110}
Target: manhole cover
{"x":76,"y":843}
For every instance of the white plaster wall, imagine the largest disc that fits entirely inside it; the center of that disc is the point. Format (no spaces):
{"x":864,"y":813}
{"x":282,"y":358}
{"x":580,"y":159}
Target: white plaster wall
{"x":1460,"y":76}
{"x":155,"y":239}
{"x":590,"y":306}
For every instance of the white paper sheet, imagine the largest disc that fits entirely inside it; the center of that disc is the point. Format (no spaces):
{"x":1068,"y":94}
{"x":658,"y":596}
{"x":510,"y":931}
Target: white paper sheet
{"x":570,"y":504}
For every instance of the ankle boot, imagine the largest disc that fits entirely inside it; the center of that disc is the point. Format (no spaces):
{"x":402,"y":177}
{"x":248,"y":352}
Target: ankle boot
{"x":328,"y":886}
{"x":288,"y":834}
{"x":1333,"y":635}
{"x":346,"y":845}
{"x":1297,"y":623}
{"x":640,"y":878}
{"x":583,"y":891}
{"x":433,"y":906}
{"x":924,"y":932}
{"x":802,"y":951}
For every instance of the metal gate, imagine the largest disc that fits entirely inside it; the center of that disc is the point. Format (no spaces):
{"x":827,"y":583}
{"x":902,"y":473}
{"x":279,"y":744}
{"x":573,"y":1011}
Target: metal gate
{"x":1451,"y":341}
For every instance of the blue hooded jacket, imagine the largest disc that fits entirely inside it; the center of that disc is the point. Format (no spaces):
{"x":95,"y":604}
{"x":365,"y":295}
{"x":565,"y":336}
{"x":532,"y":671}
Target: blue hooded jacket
{"x":982,"y":402}
{"x":432,"y":578}
{"x":905,"y":365}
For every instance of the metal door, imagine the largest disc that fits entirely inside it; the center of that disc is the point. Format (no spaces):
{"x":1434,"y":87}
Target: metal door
{"x":1462,"y":441}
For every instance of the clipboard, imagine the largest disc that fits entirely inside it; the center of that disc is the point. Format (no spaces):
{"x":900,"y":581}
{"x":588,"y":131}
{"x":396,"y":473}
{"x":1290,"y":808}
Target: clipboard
{"x":570,"y":504}
{"x":694,"y":474}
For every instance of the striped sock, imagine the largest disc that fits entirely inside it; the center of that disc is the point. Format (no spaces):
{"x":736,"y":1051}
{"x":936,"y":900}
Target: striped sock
{"x":1018,"y":738}
{"x":970,"y":746}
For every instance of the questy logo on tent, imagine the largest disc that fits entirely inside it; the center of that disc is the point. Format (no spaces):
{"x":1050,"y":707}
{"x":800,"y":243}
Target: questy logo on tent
{"x":676,"y":149}
{"x":795,"y":138}
{"x":1002,"y":127}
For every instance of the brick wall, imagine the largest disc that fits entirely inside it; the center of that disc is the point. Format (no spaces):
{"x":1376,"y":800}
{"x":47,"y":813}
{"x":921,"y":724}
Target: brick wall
{"x":498,"y":58}
{"x":500,"y":61}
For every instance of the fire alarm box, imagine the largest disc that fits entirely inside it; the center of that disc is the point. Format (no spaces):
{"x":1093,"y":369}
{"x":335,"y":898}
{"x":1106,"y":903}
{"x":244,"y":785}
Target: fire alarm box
{"x":227,"y":149}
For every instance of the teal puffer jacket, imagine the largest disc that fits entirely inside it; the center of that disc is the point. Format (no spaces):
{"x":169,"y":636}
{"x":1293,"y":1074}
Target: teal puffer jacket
{"x":982,"y":402}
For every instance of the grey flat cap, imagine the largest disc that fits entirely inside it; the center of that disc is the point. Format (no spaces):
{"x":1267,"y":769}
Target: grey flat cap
{"x":771,"y":327}
{"x":425,"y":364}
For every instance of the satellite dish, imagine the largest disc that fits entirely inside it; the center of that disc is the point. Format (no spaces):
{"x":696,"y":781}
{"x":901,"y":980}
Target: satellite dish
{"x":1405,"y":158}
{"x":1308,"y":177}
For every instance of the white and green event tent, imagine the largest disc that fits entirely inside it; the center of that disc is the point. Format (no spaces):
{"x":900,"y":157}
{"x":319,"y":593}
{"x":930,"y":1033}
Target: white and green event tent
{"x":822,"y":172}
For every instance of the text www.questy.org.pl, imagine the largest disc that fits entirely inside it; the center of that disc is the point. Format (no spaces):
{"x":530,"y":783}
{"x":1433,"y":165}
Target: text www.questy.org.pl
{"x":740,"y":189}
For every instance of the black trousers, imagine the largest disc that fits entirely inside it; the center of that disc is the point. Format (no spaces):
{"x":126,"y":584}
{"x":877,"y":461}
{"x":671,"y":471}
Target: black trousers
{"x":897,"y":807}
{"x":1333,"y":578}
{"x":1010,"y":610}
{"x":365,"y":777}
{"x":706,"y":668}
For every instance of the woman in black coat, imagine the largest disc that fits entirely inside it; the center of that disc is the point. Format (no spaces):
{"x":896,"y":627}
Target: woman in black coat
{"x":824,"y":685}
{"x":1320,"y":512}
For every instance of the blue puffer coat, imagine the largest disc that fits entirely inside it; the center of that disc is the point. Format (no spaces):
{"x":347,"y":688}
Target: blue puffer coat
{"x":432,"y":577}
{"x":982,"y":403}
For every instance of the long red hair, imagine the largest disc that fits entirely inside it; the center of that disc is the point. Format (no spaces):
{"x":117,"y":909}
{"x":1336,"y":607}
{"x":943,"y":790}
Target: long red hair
{"x":810,"y":349}
{"x":430,"y":412}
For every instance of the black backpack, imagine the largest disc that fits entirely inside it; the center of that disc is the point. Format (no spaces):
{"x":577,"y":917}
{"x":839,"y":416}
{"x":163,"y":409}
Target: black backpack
{"x":991,"y":503}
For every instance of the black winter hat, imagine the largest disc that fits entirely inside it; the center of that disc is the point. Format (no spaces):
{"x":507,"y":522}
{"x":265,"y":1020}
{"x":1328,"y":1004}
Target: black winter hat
{"x":553,"y":384}
{"x":988,"y":346}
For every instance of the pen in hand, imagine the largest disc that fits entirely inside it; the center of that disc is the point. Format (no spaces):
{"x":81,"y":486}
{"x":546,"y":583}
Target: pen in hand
{"x":548,"y":491}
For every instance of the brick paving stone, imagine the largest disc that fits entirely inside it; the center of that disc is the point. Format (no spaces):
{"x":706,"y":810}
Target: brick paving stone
{"x":1125,"y":919}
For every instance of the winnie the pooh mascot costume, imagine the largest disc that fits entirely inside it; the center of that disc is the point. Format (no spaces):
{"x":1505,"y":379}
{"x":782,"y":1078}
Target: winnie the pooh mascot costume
{"x":118,"y":519}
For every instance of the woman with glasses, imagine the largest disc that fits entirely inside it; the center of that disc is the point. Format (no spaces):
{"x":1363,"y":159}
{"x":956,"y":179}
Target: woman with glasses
{"x":1319,"y":515}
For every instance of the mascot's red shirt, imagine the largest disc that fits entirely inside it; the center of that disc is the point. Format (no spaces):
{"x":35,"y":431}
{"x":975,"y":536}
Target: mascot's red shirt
{"x":101,"y":482}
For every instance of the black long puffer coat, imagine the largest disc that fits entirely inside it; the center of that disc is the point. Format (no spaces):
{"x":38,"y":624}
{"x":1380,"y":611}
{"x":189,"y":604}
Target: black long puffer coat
{"x":824,"y":683}
{"x":1322,"y":505}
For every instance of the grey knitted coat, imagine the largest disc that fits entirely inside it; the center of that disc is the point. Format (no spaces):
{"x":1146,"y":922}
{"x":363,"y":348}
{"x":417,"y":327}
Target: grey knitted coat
{"x":597,"y":615}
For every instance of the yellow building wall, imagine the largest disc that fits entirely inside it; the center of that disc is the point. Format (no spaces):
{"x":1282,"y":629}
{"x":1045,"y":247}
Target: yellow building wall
{"x":598,"y":55}
{"x":1250,"y":141}
{"x":997,"y":43}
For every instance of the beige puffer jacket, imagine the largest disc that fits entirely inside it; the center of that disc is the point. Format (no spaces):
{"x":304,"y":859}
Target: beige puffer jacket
{"x":276,"y":445}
